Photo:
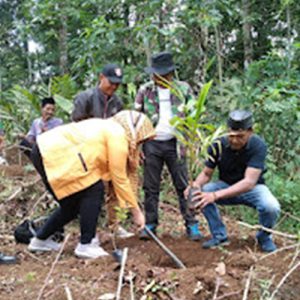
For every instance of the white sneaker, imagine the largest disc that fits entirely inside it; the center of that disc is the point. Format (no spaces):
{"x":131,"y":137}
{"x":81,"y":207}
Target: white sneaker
{"x":123,"y":233}
{"x":95,"y":241}
{"x":3,"y":161}
{"x":89,"y":251}
{"x":43,"y":245}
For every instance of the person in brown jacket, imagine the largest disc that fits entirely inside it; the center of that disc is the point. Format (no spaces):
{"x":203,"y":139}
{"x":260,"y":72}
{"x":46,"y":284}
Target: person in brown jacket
{"x":102,"y":102}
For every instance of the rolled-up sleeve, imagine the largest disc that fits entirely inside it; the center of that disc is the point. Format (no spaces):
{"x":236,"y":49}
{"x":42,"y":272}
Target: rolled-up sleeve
{"x":117,"y":160}
{"x":33,"y":133}
{"x":258,"y":157}
{"x":213,"y":155}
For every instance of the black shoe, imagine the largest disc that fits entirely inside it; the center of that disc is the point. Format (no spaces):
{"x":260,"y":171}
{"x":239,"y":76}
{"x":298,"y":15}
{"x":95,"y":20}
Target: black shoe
{"x":7,"y":260}
{"x":214,"y":243}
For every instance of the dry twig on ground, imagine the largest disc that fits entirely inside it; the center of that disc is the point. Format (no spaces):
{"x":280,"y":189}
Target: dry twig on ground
{"x":283,"y":279}
{"x":21,"y":188}
{"x":52,"y":268}
{"x":34,"y":256}
{"x":260,"y":227}
{"x":131,"y":277}
{"x":291,"y":216}
{"x":52,"y":291}
{"x":31,"y":212}
{"x":279,"y":250}
{"x":68,"y":293}
{"x":218,"y":283}
{"x":120,"y":282}
{"x":296,"y":254}
{"x":247,"y":286}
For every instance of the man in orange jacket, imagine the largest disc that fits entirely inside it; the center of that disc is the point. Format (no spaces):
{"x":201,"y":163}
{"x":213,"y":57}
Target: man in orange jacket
{"x":74,"y":159}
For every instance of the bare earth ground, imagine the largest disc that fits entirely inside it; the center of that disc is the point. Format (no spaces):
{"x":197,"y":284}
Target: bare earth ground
{"x":221,"y":273}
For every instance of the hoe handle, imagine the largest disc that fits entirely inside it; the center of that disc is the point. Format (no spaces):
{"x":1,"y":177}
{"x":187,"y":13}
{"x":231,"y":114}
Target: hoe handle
{"x":177,"y":261}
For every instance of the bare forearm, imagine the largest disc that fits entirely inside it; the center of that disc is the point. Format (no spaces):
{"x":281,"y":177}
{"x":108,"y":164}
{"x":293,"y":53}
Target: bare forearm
{"x":202,"y":179}
{"x":242,"y":186}
{"x":238,"y":188}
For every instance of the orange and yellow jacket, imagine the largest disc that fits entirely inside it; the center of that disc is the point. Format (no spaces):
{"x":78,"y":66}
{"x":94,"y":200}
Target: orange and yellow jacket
{"x":77,"y":155}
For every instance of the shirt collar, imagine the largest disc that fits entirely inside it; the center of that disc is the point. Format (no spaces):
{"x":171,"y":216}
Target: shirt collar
{"x":102,"y":96}
{"x":226,"y":142}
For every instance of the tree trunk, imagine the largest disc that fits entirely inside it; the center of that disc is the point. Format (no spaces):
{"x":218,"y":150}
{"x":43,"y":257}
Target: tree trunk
{"x":248,"y":47}
{"x":0,"y":84}
{"x":28,"y":62}
{"x":63,"y":46}
{"x":201,"y":36}
{"x":219,"y":54}
{"x":161,"y":42}
{"x":289,"y":45}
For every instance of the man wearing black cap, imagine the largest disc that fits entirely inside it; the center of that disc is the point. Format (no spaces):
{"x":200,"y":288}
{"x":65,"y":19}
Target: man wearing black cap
{"x":102,"y":102}
{"x":156,"y":100}
{"x":240,"y":158}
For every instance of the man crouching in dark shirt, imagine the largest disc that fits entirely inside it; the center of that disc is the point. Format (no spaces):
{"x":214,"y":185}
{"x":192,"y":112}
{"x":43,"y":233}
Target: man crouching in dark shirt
{"x":240,"y":159}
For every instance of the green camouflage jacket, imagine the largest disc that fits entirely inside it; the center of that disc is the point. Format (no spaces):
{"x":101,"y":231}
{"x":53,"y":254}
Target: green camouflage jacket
{"x":147,"y":100}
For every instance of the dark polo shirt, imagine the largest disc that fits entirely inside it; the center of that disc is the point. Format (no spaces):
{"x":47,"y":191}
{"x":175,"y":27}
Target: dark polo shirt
{"x":232,"y":163}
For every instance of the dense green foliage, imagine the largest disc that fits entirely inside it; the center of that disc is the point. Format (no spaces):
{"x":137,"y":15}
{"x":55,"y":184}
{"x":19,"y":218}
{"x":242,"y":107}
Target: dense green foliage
{"x":250,"y":49}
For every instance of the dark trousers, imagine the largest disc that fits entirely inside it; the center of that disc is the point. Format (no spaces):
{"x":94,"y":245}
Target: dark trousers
{"x":156,"y":154}
{"x":26,"y":147}
{"x":86,"y":204}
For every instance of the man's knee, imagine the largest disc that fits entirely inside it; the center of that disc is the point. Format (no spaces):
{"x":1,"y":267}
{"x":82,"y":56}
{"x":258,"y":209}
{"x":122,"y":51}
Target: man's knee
{"x":269,"y":204}
{"x":151,"y":189}
{"x":272,"y":209}
{"x":211,"y":187}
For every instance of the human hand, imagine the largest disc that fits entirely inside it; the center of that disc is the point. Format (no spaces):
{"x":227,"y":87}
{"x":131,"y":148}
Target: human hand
{"x":44,"y":128}
{"x":142,"y":157}
{"x":205,"y":199}
{"x":20,"y":136}
{"x":187,"y":190}
{"x":138,"y":218}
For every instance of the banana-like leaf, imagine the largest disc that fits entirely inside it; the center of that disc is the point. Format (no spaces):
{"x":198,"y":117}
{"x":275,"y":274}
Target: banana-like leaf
{"x":65,"y":104}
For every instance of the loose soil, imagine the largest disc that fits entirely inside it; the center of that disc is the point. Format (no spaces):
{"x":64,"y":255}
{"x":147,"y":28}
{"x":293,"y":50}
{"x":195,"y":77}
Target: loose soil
{"x":219,"y":273}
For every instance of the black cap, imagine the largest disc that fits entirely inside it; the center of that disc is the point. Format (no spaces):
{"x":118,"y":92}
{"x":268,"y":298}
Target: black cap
{"x":240,"y":119}
{"x":161,"y":64}
{"x":113,"y":73}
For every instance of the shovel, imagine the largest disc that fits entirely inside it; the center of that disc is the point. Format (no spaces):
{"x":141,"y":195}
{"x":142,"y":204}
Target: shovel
{"x":117,"y":255}
{"x":177,"y":261}
{"x":117,"y":252}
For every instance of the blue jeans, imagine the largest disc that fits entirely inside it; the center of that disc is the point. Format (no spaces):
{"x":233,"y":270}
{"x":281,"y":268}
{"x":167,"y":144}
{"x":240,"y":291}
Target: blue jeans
{"x":259,"y":198}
